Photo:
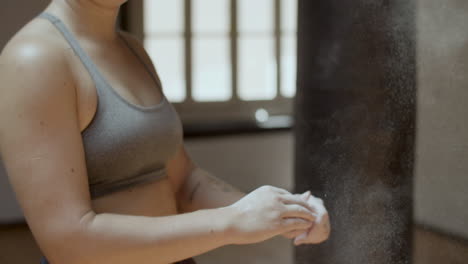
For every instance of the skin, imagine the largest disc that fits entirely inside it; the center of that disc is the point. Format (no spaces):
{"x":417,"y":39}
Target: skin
{"x":50,"y":99}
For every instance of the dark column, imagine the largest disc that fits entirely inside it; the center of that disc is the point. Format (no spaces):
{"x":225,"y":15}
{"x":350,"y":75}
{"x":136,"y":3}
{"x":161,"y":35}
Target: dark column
{"x":355,"y":126}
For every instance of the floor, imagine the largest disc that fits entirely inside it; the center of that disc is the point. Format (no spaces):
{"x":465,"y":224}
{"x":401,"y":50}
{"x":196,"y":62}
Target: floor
{"x":18,"y":247}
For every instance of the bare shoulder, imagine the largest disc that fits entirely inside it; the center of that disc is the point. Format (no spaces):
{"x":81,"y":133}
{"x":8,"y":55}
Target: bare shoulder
{"x":33,"y":52}
{"x":40,"y":140}
{"x":34,"y":63}
{"x":36,"y":31}
{"x":32,"y":68}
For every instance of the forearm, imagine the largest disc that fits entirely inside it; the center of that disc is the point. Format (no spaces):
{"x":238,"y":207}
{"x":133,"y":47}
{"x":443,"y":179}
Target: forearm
{"x":111,"y":238}
{"x":202,"y":190}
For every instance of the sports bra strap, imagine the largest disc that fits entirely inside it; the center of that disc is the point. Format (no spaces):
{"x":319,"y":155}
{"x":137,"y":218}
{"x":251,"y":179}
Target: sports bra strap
{"x":92,"y":69}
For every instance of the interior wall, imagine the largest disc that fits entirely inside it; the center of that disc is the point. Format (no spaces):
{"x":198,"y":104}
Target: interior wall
{"x":248,"y":162}
{"x":15,"y":13}
{"x":441,"y":195}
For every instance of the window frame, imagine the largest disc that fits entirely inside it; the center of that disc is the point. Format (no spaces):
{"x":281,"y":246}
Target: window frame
{"x":221,"y":117}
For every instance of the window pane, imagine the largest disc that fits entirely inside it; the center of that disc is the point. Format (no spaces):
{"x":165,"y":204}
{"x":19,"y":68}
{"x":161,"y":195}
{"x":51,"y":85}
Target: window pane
{"x":168,"y":58}
{"x":211,"y":16}
{"x":211,"y":69}
{"x":257,"y":68}
{"x":163,"y":16}
{"x":256,"y":16}
{"x":289,"y":15}
{"x":288,"y":65}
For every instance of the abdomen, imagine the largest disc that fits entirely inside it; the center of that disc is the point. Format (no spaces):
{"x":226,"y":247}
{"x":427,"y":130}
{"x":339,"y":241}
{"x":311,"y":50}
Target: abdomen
{"x":152,"y":199}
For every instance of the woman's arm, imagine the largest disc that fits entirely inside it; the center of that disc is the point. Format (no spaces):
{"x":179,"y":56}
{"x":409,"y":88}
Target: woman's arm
{"x":196,"y":188}
{"x":43,"y":153}
{"x":113,"y":238}
{"x":202,"y":190}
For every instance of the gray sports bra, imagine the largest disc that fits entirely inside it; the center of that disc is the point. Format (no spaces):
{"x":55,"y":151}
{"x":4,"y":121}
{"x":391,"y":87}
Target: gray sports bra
{"x":125,"y":144}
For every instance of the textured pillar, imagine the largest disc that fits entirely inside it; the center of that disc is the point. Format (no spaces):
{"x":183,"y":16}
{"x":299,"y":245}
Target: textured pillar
{"x":355,"y":126}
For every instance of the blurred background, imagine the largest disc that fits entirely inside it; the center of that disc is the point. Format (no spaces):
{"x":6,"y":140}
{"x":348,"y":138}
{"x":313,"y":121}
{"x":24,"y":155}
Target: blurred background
{"x":229,"y":68}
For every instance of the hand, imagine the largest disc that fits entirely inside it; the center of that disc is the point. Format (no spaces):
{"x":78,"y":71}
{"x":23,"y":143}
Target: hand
{"x":269,"y":211}
{"x":320,"y":231}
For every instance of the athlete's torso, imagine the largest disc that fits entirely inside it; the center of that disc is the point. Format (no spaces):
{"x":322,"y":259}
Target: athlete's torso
{"x":122,"y":70}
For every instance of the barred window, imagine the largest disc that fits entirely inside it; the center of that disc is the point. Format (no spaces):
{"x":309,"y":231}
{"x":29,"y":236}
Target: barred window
{"x":224,"y":60}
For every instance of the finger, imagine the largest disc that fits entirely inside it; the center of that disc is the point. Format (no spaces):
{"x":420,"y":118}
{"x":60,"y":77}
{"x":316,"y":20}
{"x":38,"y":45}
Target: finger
{"x":305,"y":196}
{"x":300,"y":239}
{"x":295,"y":210}
{"x":288,"y":235}
{"x":298,"y":242}
{"x":318,"y":207}
{"x":320,"y":200}
{"x":294,"y":233}
{"x":311,"y":239}
{"x":317,"y":234}
{"x":295,"y":199}
{"x":290,"y":224}
{"x":316,"y":199}
{"x":326,"y":223}
{"x":279,"y":190}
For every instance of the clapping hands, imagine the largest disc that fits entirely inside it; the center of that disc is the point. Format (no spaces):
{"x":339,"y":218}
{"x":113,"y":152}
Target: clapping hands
{"x":320,"y":230}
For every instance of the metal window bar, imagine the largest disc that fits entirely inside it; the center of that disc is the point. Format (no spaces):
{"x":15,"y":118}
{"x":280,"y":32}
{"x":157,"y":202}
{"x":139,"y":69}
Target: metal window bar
{"x":188,"y":49}
{"x":234,"y":56}
{"x":235,"y":108}
{"x":278,"y":43}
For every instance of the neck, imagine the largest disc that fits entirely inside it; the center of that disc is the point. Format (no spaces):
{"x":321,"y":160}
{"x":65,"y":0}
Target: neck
{"x":89,"y":18}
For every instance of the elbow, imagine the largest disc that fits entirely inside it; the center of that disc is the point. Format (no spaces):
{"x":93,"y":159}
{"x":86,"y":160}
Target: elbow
{"x":69,"y":243}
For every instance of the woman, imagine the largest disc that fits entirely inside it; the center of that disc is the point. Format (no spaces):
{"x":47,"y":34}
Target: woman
{"x":95,"y":154}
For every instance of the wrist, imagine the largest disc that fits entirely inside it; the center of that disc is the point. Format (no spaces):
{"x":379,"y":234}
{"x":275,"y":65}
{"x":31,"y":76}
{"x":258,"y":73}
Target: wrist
{"x":228,"y":215}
